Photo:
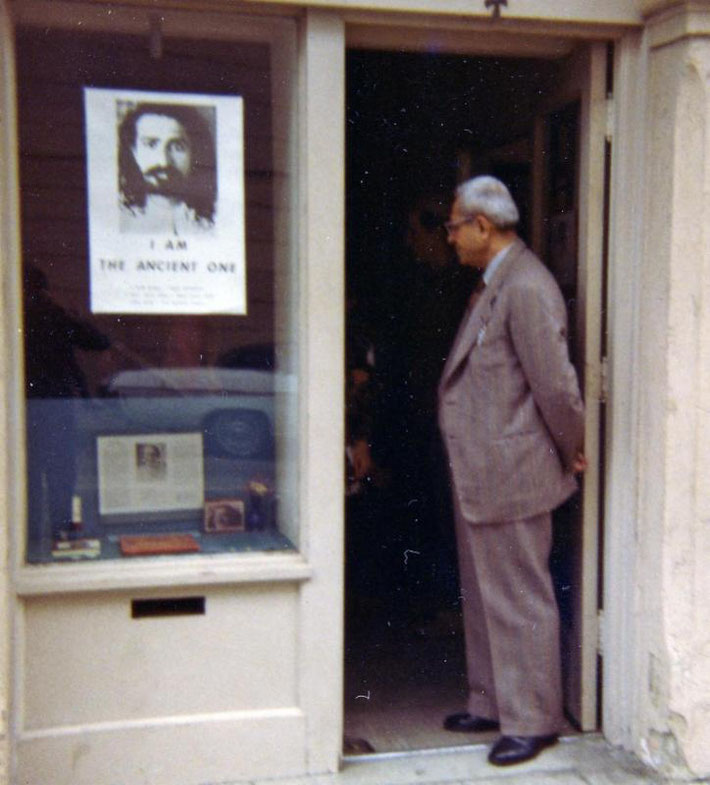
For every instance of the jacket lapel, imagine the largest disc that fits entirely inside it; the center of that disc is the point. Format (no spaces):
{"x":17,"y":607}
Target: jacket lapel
{"x":473,"y":325}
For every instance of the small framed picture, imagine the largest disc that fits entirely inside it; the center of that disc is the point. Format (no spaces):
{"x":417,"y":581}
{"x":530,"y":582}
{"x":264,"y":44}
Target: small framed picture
{"x":224,"y":515}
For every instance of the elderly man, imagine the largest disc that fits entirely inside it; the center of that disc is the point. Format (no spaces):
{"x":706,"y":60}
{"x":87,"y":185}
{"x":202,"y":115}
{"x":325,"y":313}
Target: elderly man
{"x":512,"y":420}
{"x":167,"y":174}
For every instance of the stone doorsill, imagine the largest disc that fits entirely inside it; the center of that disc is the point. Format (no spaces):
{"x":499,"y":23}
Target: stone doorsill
{"x":576,"y":760}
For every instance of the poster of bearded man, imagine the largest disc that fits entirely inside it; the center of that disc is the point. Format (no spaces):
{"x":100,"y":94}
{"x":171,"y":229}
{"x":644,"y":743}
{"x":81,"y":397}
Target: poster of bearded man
{"x":166,"y":202}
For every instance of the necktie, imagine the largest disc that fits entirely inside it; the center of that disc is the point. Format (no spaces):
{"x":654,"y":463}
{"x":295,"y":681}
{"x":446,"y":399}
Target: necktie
{"x":476,"y":293}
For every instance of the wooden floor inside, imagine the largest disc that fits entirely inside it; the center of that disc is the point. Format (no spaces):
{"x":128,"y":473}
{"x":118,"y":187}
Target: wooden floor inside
{"x":400,"y":683}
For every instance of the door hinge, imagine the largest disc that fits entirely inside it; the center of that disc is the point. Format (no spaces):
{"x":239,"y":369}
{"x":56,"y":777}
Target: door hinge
{"x":604,"y":380}
{"x":600,"y":632}
{"x":610,"y":117}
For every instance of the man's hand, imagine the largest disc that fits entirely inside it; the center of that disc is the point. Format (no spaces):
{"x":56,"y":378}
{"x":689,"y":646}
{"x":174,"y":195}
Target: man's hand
{"x":361,"y":459}
{"x":579,"y":464}
{"x":359,"y":377}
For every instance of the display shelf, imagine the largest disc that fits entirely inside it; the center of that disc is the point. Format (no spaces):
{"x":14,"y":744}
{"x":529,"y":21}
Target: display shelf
{"x":160,"y":572}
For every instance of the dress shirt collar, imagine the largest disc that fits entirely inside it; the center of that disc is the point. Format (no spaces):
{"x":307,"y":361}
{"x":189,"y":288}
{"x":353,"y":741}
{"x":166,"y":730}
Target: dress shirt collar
{"x":494,"y":264}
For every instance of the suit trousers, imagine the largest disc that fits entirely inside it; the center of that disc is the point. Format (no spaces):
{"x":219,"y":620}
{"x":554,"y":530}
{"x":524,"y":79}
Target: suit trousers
{"x":511,"y":623}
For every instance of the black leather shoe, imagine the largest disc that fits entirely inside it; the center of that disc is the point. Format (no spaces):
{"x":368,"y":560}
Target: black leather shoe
{"x":517,"y":749}
{"x":463,"y":722}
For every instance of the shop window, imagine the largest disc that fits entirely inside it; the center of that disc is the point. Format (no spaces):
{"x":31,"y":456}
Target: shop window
{"x":159,"y":279}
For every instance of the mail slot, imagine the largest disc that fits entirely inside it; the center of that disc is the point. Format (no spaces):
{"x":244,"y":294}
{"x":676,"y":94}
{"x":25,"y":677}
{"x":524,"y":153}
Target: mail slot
{"x":168,"y":606}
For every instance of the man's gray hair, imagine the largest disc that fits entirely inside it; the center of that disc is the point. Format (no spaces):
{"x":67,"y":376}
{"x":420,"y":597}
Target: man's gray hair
{"x":486,"y":195}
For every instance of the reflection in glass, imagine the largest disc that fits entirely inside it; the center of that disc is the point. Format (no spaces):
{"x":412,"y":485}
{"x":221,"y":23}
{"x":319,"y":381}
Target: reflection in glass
{"x":174,"y":428}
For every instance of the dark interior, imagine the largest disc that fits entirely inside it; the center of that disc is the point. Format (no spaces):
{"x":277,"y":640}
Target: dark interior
{"x":417,"y":124}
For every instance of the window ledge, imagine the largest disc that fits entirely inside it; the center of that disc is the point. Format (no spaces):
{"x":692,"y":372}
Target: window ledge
{"x":161,"y":572}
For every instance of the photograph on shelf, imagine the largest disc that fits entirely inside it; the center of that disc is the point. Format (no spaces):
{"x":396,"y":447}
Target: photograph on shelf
{"x":224,"y":515}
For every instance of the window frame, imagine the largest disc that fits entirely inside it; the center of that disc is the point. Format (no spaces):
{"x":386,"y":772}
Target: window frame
{"x":286,"y":38}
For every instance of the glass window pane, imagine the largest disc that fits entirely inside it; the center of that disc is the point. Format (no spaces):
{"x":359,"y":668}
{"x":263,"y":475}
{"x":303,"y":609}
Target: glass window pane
{"x":160,"y":341}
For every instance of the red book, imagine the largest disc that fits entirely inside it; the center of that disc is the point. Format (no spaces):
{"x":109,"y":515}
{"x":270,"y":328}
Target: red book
{"x":157,"y":544}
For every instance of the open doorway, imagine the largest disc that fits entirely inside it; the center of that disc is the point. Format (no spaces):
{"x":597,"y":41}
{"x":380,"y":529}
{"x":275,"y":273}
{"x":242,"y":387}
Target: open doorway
{"x":418,"y":124}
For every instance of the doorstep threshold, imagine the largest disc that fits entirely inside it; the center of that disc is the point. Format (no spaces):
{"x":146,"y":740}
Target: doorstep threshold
{"x":578,"y":759}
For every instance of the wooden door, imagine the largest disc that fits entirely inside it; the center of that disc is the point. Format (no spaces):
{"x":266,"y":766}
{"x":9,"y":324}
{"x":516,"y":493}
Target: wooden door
{"x":567,"y":230}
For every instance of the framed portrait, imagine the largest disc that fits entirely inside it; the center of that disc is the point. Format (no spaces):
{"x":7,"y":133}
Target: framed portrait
{"x":166,"y":202}
{"x":224,"y":515}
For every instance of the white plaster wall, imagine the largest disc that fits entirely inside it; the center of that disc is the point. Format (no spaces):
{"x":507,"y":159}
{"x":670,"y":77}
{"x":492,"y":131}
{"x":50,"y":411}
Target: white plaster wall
{"x":625,"y":12}
{"x":673,"y":722}
{"x":7,"y":181}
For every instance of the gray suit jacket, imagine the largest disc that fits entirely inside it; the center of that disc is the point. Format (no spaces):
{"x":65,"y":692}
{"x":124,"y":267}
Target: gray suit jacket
{"x":510,"y":410}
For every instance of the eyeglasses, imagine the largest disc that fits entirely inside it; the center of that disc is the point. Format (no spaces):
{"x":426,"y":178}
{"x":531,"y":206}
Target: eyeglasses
{"x":452,"y":226}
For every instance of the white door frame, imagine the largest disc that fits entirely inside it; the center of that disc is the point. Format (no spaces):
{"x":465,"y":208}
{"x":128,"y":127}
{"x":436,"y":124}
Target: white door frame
{"x":619,"y":631}
{"x":585,"y":81}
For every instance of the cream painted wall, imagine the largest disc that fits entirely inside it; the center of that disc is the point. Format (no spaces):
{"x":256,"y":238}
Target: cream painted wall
{"x":672,"y":725}
{"x":615,"y":12}
{"x":7,"y":224}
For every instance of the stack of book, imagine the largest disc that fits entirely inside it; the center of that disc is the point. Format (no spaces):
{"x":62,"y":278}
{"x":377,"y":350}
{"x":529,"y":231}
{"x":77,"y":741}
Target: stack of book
{"x":77,"y":549}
